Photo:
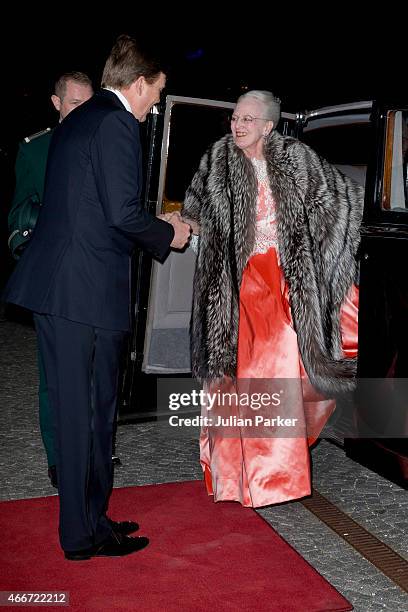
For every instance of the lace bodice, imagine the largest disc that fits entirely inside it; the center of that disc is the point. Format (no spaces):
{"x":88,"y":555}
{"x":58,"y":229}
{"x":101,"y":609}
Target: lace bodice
{"x":265,"y":230}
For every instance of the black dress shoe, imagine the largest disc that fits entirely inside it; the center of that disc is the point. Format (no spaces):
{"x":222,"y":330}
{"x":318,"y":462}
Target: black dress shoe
{"x":52,"y":475}
{"x":116,"y":460}
{"x":123,"y":527}
{"x":116,"y":545}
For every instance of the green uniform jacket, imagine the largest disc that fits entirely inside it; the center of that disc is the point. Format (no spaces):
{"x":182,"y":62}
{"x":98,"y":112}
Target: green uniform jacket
{"x":31,"y":163}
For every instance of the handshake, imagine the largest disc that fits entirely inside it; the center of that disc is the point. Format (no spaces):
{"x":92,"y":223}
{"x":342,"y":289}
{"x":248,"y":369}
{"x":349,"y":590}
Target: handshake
{"x":182,"y":230}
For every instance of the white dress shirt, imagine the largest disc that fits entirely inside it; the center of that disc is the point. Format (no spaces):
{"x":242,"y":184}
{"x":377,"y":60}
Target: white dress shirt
{"x":121,"y":97}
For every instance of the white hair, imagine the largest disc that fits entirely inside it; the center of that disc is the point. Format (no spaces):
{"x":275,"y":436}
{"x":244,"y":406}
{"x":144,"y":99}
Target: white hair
{"x":270,"y":102}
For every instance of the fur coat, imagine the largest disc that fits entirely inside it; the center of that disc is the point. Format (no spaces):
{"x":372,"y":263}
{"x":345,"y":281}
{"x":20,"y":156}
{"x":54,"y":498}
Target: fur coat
{"x":319,"y":212}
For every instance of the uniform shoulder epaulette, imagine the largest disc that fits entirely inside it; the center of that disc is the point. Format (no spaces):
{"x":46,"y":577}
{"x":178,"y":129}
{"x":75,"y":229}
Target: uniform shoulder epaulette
{"x":36,"y":135}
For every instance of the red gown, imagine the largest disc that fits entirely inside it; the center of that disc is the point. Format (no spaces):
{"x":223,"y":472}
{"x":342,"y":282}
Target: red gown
{"x":258,"y":471}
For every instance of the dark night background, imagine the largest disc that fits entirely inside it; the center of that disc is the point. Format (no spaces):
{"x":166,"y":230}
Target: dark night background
{"x":306,"y":57}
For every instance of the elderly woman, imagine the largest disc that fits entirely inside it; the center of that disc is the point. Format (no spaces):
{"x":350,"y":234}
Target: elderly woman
{"x":273,"y":294}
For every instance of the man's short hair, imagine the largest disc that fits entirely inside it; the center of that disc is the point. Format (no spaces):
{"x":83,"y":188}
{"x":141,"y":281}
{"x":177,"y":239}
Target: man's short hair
{"x":60,"y":87}
{"x":127,"y":62}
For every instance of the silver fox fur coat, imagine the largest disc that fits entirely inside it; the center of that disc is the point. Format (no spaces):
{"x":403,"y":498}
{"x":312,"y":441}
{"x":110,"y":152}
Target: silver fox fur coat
{"x":319,"y":212}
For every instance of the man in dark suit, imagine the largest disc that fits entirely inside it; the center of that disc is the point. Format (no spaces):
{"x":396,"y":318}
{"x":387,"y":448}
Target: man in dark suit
{"x":74,"y":276}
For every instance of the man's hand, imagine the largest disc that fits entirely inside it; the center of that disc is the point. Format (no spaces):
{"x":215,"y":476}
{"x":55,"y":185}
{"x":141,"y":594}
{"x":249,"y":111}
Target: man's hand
{"x":182,"y":230}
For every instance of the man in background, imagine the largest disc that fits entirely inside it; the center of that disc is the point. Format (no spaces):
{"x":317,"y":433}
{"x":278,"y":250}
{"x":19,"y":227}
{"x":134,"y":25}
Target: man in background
{"x":70,"y":90}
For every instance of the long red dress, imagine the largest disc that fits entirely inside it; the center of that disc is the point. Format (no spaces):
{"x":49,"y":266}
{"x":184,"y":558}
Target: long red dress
{"x":259,"y":471}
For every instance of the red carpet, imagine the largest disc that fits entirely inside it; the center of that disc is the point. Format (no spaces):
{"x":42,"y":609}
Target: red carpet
{"x":202,"y":557}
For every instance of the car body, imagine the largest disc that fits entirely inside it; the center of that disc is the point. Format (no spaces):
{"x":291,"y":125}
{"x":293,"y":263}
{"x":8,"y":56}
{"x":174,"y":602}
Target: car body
{"x":366,"y":140}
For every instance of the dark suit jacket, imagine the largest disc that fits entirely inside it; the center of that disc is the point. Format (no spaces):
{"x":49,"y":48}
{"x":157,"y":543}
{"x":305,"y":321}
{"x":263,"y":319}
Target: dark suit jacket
{"x":77,"y":263}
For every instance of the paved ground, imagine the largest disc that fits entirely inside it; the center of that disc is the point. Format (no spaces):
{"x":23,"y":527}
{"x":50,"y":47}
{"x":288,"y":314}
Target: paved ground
{"x":149,"y":456}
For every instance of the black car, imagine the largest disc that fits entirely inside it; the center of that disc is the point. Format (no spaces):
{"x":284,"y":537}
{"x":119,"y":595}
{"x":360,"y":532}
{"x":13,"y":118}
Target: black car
{"x":367,"y":141}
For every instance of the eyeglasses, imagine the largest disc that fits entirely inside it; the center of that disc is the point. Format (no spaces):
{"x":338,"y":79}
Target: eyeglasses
{"x":247,"y":119}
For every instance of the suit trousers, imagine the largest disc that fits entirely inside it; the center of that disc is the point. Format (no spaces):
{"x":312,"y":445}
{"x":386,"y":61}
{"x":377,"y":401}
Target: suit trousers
{"x":82,"y":366}
{"x":46,"y":423}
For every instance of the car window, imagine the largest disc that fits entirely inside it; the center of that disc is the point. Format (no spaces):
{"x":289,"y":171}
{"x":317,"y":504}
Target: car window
{"x":193,"y":129}
{"x":395,"y":186}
